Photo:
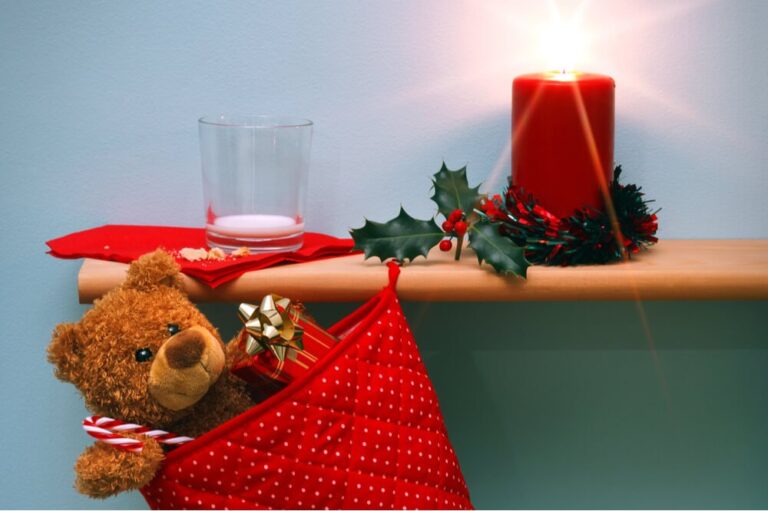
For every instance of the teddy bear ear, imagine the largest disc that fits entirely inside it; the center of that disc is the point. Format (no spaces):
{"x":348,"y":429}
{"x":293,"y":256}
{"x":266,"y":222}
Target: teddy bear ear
{"x":153,"y":270}
{"x":64,"y":351}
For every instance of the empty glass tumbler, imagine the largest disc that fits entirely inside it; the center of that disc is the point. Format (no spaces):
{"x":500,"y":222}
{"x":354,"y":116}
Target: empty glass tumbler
{"x":255,"y":180}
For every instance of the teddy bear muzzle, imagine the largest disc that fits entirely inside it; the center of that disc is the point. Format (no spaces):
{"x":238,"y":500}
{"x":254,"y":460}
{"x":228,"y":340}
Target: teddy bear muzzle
{"x":185,"y":367}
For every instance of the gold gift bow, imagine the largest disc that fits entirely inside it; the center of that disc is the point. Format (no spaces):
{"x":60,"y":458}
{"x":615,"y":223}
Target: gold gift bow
{"x":269,"y":328}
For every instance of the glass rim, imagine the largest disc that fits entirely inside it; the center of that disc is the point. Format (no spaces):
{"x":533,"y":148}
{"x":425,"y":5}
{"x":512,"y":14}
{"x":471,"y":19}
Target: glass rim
{"x":254,"y":121}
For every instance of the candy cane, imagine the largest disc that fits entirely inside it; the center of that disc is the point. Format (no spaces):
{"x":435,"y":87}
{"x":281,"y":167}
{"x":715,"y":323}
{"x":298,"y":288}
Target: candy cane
{"x":110,"y":431}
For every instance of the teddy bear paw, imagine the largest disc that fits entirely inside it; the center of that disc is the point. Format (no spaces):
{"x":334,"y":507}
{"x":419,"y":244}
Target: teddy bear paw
{"x":103,"y":471}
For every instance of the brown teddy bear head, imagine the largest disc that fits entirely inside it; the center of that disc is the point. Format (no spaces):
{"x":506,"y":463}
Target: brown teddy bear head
{"x":143,"y":353}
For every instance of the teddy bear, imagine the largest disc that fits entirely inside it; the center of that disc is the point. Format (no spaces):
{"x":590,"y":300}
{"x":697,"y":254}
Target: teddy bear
{"x":145,"y":354}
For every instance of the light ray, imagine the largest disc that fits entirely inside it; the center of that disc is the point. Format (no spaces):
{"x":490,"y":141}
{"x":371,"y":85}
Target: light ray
{"x":622,"y":26}
{"x":493,"y":181}
{"x":597,"y":166}
{"x":499,"y":170}
{"x":509,"y":35}
{"x":641,"y":91}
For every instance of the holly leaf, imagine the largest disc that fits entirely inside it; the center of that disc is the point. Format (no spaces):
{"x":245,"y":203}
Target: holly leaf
{"x":402,"y":238}
{"x":452,"y":191}
{"x":499,"y":251}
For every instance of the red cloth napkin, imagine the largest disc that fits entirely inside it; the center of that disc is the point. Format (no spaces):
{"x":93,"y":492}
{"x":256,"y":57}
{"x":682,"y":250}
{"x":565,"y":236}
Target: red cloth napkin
{"x":125,"y":243}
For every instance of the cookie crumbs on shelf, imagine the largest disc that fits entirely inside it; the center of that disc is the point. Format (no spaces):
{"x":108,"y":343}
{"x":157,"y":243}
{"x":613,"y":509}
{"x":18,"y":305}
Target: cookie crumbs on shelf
{"x":241,"y":252}
{"x":214,"y":254}
{"x":193,"y":254}
{"x":217,"y":254}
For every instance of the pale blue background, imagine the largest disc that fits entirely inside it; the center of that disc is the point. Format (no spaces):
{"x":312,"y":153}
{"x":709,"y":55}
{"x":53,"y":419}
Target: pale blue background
{"x":555,"y":405}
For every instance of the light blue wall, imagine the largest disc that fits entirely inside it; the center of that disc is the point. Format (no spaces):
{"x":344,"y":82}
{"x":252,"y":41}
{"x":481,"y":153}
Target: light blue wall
{"x":558,"y":405}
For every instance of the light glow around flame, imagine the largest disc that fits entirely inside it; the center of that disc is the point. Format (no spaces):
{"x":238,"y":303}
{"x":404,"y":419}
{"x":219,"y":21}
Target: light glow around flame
{"x":500,"y":39}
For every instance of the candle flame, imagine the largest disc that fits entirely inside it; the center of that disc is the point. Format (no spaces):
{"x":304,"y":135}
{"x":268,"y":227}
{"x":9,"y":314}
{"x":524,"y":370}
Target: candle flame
{"x":563,"y":45}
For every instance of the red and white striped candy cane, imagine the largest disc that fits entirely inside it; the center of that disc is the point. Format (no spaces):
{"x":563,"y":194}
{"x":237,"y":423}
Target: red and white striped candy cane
{"x":109,"y":431}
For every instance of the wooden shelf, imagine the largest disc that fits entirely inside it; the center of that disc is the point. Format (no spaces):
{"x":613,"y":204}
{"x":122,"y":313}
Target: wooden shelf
{"x":672,"y":270}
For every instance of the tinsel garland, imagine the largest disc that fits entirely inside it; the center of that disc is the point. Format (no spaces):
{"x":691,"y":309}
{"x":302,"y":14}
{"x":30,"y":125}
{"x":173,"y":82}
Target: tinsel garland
{"x":585,"y":237}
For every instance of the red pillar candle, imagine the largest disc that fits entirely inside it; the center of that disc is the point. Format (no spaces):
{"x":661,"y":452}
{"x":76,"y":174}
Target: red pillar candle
{"x":562,"y":138}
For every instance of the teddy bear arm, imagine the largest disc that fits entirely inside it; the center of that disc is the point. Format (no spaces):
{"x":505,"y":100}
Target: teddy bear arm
{"x":103,"y":471}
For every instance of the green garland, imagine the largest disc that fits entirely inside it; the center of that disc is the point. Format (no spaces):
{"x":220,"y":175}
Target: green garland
{"x":585,"y":237}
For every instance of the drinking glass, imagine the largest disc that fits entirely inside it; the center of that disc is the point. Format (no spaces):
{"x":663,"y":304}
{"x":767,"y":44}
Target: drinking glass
{"x":255,"y":181}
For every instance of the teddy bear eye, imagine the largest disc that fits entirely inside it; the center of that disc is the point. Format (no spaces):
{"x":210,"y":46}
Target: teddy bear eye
{"x":173,"y":328}
{"x":143,"y":355}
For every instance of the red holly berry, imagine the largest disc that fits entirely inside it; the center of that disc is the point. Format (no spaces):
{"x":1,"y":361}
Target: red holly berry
{"x":460,"y":228}
{"x":446,"y":245}
{"x":456,"y":215}
{"x":448,"y":226}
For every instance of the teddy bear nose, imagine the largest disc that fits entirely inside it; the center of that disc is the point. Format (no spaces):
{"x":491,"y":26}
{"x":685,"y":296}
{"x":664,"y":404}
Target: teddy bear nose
{"x":185,"y":349}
